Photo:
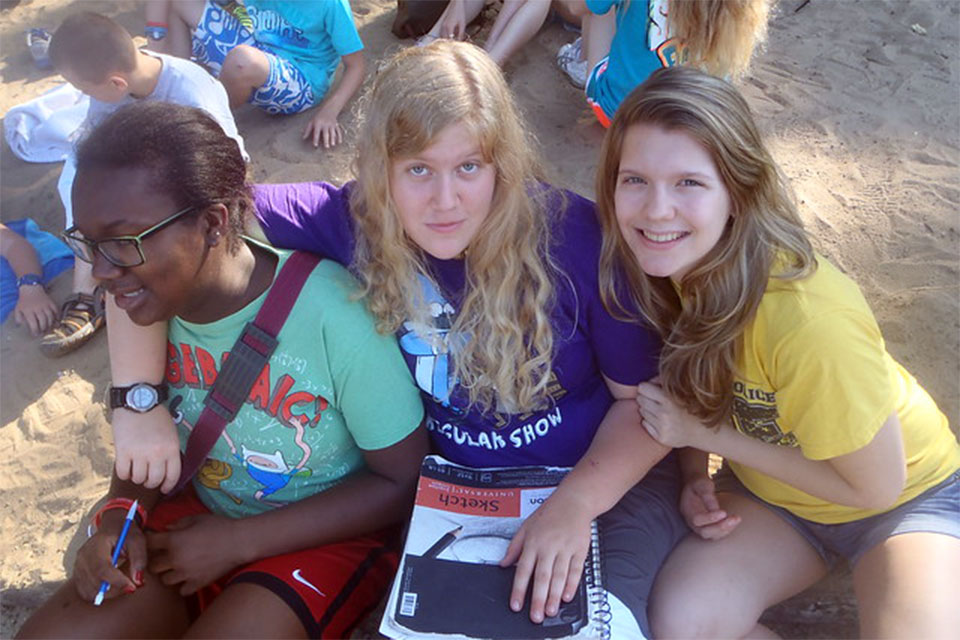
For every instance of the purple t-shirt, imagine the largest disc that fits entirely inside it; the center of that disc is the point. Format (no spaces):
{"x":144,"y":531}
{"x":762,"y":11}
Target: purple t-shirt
{"x":588,"y":342}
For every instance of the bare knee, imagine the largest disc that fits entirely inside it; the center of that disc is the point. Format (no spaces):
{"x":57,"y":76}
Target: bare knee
{"x":572,"y":8}
{"x":245,"y":64}
{"x":685,"y":616}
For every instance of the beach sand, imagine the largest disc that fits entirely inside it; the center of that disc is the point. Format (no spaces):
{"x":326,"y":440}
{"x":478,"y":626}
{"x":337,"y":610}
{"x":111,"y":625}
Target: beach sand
{"x":859,"y":100}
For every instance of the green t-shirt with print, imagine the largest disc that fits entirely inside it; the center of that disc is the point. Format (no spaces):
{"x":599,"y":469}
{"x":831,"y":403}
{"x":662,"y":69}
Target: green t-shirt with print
{"x":333,"y":388}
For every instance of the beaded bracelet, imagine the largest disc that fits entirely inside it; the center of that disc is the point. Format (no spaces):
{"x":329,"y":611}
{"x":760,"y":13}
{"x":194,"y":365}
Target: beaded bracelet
{"x":121,"y":503}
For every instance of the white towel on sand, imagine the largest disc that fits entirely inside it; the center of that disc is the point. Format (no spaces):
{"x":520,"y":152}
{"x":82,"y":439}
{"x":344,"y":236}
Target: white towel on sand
{"x":42,"y":129}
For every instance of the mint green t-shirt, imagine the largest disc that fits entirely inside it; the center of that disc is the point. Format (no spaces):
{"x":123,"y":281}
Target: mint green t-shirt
{"x":333,"y":388}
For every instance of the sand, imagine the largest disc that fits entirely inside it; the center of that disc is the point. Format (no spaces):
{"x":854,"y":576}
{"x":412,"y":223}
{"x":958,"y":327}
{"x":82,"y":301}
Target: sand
{"x":859,"y":100}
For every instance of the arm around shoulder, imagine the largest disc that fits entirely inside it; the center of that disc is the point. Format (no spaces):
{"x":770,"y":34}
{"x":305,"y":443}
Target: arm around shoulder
{"x":147,"y":445}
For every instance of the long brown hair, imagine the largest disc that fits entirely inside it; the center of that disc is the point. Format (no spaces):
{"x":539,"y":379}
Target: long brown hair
{"x":701,"y":324}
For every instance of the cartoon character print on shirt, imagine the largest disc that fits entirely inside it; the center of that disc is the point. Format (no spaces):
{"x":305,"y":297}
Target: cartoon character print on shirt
{"x":430,"y":346}
{"x":755,"y":414}
{"x":272,"y":446}
{"x":670,"y":50}
{"x":268,"y":469}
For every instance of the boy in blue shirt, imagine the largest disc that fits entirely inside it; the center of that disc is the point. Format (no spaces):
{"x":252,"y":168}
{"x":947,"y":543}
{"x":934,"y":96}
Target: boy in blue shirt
{"x":280,"y":56}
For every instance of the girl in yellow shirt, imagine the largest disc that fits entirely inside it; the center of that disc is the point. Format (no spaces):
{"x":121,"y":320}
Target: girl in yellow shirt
{"x":774,"y":361}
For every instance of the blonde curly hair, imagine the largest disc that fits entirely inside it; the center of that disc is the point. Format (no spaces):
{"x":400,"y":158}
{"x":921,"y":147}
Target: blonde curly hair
{"x":505,"y":364}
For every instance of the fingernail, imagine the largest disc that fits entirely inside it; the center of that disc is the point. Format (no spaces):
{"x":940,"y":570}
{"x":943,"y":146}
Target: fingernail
{"x":138,"y":578}
{"x":129,"y":589}
{"x":515,"y":605}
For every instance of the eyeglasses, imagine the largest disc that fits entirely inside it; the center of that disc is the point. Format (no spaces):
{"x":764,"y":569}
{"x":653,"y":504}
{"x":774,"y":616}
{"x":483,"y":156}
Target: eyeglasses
{"x":122,"y":251}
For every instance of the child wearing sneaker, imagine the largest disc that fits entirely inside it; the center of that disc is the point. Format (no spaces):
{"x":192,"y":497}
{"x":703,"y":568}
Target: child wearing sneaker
{"x":279,"y":56}
{"x":624,"y":41}
{"x":97,"y":56}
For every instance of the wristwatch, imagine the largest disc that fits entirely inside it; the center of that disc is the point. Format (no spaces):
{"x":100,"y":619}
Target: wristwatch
{"x":140,"y":397}
{"x":29,"y":279}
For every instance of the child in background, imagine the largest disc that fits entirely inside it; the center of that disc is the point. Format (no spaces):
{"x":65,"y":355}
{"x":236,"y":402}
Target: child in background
{"x":774,"y":361}
{"x":97,"y":56}
{"x":624,"y":41}
{"x":25,"y":274}
{"x":287,"y":530}
{"x":279,"y":56}
{"x":517,"y":22}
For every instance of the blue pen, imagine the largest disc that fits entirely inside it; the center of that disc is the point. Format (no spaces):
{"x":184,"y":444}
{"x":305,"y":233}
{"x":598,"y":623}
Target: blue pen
{"x":105,"y":586}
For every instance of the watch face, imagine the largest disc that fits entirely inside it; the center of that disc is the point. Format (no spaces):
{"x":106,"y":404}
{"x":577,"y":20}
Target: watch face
{"x":142,"y":397}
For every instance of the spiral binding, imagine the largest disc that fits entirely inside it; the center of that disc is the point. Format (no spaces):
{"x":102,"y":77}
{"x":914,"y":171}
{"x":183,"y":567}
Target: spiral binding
{"x":596,"y":595}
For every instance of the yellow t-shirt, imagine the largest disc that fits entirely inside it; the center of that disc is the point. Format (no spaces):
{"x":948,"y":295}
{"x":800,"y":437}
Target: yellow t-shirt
{"x":815,"y":373}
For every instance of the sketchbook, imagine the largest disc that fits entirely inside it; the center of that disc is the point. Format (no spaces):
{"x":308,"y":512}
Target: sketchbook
{"x":450,"y":585}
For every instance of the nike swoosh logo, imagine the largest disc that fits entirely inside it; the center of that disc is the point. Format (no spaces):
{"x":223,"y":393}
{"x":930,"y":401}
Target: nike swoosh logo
{"x":299,"y":578}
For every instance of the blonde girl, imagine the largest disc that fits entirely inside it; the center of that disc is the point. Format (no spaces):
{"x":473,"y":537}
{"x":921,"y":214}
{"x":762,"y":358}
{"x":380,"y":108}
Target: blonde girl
{"x":773,"y":360}
{"x":488,"y":276}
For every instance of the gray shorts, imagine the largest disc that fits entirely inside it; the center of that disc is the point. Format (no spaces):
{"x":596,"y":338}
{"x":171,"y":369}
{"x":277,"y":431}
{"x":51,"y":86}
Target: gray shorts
{"x":639,"y":533}
{"x":936,"y":510}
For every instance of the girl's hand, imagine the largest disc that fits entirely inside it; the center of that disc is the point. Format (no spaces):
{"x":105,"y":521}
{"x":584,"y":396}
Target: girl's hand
{"x":195,"y":551}
{"x":147,"y":448}
{"x":701,"y":510}
{"x":666,"y":421}
{"x":93,"y":565}
{"x":550,"y":547}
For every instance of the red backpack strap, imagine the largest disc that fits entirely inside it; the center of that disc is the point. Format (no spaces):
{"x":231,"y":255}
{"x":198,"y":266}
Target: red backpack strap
{"x":249,"y":355}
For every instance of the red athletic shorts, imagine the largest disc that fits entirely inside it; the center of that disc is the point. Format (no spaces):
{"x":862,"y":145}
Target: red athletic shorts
{"x":330,"y":588}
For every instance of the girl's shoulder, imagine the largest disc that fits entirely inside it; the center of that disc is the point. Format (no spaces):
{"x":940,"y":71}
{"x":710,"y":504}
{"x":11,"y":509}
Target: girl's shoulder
{"x":573,"y":221}
{"x":826,"y":301}
{"x":826,"y":289}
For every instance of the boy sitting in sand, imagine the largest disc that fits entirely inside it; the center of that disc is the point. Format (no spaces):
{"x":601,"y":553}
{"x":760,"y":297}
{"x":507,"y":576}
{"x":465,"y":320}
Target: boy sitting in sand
{"x":280,"y":56}
{"x":97,"y":56}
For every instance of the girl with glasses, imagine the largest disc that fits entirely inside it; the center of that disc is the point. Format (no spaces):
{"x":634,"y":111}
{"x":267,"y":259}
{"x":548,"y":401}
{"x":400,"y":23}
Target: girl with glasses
{"x":287,"y":530}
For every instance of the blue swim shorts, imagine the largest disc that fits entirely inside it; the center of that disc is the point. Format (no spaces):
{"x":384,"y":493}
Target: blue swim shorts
{"x":936,"y":510}
{"x":220,"y":30}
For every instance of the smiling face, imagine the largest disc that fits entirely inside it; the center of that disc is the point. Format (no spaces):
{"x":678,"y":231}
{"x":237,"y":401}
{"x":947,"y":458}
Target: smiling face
{"x":443,"y":193}
{"x":110,"y":203}
{"x":671,"y":204}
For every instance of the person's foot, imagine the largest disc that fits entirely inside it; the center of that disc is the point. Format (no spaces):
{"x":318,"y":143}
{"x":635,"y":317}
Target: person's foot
{"x":81,"y":316}
{"x":570,"y":59}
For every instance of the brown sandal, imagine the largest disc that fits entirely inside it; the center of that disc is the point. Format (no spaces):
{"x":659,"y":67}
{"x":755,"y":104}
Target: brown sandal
{"x":80,"y":317}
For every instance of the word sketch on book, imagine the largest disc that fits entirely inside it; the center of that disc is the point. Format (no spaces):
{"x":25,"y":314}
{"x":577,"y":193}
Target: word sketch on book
{"x":450,"y":584}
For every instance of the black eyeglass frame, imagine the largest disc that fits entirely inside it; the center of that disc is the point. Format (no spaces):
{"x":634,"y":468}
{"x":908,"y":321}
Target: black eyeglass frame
{"x":75,"y":241}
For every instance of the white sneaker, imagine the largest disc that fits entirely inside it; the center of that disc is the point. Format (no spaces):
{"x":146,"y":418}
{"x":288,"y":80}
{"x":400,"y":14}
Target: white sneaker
{"x":570,"y":60}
